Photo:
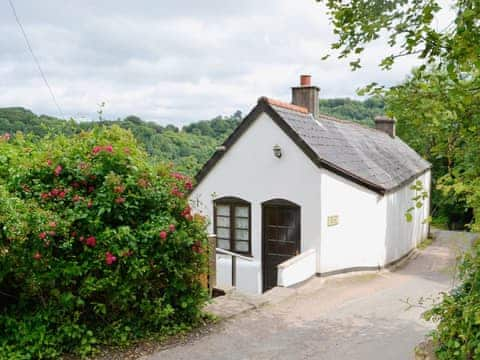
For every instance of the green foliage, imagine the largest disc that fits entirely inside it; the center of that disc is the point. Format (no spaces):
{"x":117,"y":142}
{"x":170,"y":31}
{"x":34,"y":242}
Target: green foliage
{"x":188,"y":148}
{"x":410,"y":27}
{"x":458,"y":314}
{"x":217,"y":128}
{"x":363,"y":112}
{"x":421,"y":195}
{"x":441,"y":120}
{"x":97,"y":245}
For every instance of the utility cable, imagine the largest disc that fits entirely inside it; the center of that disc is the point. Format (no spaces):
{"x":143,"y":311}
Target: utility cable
{"x":35,"y":59}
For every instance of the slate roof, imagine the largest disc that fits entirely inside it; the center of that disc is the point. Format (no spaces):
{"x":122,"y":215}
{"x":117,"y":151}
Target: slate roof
{"x":367,"y":156}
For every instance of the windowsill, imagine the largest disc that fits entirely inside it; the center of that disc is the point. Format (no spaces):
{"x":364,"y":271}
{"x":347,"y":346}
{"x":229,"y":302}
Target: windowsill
{"x":248,"y":255}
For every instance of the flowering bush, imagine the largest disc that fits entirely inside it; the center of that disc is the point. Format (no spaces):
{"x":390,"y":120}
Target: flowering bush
{"x":97,"y":245}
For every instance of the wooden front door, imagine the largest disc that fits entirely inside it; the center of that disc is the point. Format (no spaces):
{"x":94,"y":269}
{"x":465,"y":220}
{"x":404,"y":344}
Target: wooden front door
{"x":281,"y":237}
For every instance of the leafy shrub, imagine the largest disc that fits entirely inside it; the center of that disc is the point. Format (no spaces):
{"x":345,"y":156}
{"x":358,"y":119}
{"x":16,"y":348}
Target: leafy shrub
{"x":97,"y":245}
{"x":458,"y":314}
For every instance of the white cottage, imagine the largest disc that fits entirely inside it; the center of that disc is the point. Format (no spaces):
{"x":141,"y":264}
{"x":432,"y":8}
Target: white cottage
{"x":295,"y":193}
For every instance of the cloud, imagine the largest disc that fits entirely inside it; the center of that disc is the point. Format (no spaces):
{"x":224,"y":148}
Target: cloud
{"x":172,"y":62}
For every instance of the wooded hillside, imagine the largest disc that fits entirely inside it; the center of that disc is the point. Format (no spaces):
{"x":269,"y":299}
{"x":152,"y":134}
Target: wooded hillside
{"x":188,"y":147}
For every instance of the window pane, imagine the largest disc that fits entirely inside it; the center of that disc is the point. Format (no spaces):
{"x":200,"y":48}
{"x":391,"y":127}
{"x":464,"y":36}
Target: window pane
{"x":223,"y":221}
{"x":241,"y":211}
{"x":223,"y":210}
{"x":241,"y":246}
{"x":223,"y":244}
{"x":241,"y":223}
{"x":241,"y":234}
{"x":223,"y":233}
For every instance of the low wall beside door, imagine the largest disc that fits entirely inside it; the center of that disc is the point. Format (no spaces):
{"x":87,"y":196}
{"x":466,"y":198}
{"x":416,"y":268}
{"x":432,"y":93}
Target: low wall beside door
{"x":248,"y":274}
{"x":298,"y":268}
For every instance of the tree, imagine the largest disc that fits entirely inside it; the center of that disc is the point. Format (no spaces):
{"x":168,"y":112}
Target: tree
{"x":411,"y":29}
{"x":363,"y":112}
{"x":440,"y":121}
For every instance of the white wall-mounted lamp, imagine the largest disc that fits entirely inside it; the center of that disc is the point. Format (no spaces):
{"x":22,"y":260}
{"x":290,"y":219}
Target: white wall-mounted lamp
{"x":277,"y":151}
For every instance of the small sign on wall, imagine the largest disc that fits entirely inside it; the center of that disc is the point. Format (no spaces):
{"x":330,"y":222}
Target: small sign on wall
{"x":332,"y":220}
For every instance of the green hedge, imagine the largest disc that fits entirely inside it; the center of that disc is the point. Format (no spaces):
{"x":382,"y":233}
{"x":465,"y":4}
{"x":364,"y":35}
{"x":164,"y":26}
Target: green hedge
{"x":457,"y":335}
{"x":97,"y":245}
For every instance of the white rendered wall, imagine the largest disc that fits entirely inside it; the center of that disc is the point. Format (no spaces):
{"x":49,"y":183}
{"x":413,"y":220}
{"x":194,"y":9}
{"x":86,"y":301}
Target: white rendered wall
{"x":372,"y":230}
{"x":357,"y":240}
{"x":250,"y":171}
{"x":298,"y":268}
{"x":401,"y":235}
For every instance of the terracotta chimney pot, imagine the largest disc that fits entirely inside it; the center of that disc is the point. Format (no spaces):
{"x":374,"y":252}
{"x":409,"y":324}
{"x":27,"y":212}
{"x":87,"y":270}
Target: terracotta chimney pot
{"x":305,"y":80}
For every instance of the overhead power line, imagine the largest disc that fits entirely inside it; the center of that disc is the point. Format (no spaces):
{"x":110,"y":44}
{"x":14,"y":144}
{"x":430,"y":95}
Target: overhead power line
{"x":35,"y":59}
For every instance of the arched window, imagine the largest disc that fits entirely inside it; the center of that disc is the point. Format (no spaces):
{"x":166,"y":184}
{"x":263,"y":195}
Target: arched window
{"x":232,"y":224}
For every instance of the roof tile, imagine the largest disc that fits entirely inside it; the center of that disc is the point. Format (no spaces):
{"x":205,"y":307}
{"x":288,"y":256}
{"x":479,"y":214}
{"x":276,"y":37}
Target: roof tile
{"x":370,"y":155}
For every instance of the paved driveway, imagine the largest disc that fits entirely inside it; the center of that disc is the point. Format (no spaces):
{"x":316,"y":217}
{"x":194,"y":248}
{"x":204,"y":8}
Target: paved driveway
{"x":365,"y":316}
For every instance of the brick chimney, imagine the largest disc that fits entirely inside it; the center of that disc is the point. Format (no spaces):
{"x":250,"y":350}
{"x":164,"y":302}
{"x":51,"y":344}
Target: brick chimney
{"x":385,"y":124}
{"x":306,"y":95}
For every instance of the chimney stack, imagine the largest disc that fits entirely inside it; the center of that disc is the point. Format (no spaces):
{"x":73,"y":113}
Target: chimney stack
{"x":306,"y":95}
{"x":385,"y":124}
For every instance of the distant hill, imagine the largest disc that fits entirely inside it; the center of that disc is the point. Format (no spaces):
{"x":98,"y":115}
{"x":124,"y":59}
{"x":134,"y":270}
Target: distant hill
{"x":361,"y":111}
{"x":188,"y":147}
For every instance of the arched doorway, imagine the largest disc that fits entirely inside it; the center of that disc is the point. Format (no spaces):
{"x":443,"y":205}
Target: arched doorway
{"x":280,"y":237}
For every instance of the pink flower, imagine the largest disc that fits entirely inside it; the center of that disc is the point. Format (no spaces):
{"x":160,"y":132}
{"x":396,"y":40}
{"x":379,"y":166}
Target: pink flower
{"x":54,"y":192}
{"x":177,"y":193}
{"x":97,"y":149}
{"x":37,"y":256}
{"x":119,"y":189}
{"x":91,"y":241}
{"x":7,"y":136}
{"x":89,"y":204}
{"x":51,"y":233}
{"x":171,"y":227}
{"x":110,"y":258}
{"x":52,"y":224}
{"x":163,"y":235}
{"x":75,"y":185}
{"x":42,"y":235}
{"x":81,"y":239}
{"x":76,"y":198}
{"x":58,"y":170}
{"x":120,"y":200}
{"x":188,"y":185}
{"x":44,"y":196}
{"x":189,"y":217}
{"x":62,"y":194}
{"x":178,"y":176}
{"x":91,"y":188}
{"x":49,"y":162}
{"x":186,"y":211}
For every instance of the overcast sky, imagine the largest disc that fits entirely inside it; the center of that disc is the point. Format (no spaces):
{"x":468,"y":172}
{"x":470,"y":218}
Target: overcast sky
{"x":172,"y":61}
